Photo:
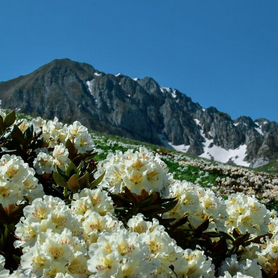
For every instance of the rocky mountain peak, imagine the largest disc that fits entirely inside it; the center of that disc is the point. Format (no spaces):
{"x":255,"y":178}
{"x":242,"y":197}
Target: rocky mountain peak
{"x":140,"y":109}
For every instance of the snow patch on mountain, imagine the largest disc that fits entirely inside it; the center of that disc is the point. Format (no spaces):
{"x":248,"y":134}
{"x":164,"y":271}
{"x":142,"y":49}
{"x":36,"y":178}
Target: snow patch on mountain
{"x":171,"y":91}
{"x":89,"y":84}
{"x":220,"y":154}
{"x":259,"y":130}
{"x":180,"y":148}
{"x":197,"y":122}
{"x":165,"y":89}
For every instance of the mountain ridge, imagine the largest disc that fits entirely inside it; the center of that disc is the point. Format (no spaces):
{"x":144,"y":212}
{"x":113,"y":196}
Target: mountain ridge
{"x":140,"y":109}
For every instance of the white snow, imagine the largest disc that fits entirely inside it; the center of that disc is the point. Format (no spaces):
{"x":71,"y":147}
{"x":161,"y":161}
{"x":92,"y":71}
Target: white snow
{"x":174,"y":94}
{"x":165,"y":89}
{"x":97,"y":74}
{"x":220,"y":154}
{"x":135,"y":78}
{"x":118,"y":74}
{"x":236,"y":124}
{"x":197,"y":122}
{"x":203,"y":109}
{"x":89,"y":84}
{"x":180,"y":148}
{"x":259,"y":127}
{"x":259,"y":130}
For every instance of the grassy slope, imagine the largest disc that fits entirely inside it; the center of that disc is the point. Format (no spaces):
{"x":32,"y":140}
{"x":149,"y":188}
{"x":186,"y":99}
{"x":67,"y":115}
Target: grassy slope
{"x":206,"y":173}
{"x":185,"y":167}
{"x":271,"y":168}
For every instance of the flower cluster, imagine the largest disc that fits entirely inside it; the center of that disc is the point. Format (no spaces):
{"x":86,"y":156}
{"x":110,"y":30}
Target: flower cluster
{"x":17,"y":181}
{"x":3,"y":272}
{"x":168,"y":257}
{"x":247,"y":214}
{"x":198,"y":205}
{"x":77,"y":240}
{"x":54,"y":254}
{"x":55,"y":135}
{"x":56,"y":132}
{"x":139,"y":170}
{"x":45,"y":162}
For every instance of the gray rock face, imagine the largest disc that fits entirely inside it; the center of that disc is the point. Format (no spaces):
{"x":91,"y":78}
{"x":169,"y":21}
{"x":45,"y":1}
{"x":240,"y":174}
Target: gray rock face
{"x":138,"y":109}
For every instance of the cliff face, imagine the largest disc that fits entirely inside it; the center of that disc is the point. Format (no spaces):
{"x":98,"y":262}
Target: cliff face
{"x":142,"y":110}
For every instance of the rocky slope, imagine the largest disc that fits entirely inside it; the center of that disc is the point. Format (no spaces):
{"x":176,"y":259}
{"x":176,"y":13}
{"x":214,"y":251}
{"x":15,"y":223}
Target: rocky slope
{"x":140,"y":109}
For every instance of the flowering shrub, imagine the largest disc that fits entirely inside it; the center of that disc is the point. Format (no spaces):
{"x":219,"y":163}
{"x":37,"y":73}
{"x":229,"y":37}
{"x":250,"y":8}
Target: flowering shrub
{"x":62,"y":215}
{"x":18,"y":181}
{"x":137,"y":171}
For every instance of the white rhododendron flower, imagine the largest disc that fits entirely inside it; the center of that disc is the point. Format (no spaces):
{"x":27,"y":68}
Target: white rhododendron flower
{"x":17,"y":181}
{"x":247,"y":267}
{"x":47,"y":213}
{"x":91,"y":200}
{"x":139,"y":225}
{"x":268,"y":256}
{"x":23,"y":124}
{"x":120,"y":254}
{"x":55,"y":132}
{"x":166,"y":254}
{"x":194,"y":264}
{"x":95,"y":224}
{"x":237,"y":275}
{"x":139,"y":170}
{"x":197,"y":204}
{"x":37,"y":124}
{"x":273,"y":224}
{"x":3,"y":112}
{"x":247,"y":214}
{"x":56,"y":253}
{"x":4,"y":273}
{"x":80,"y":136}
{"x":61,"y":156}
{"x":44,"y":163}
{"x":162,"y":248}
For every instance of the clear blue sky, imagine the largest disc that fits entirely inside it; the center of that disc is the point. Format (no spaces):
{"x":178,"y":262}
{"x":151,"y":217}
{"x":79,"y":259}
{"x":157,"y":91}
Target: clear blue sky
{"x":221,"y":53}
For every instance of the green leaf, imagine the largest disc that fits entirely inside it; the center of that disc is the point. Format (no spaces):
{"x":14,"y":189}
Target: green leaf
{"x":169,"y":204}
{"x":71,"y":148}
{"x":200,"y":229}
{"x":17,"y":137}
{"x":10,"y":119}
{"x":59,"y":179}
{"x":258,"y":239}
{"x":180,"y":222}
{"x":84,"y":180}
{"x":71,"y":169}
{"x":219,"y":234}
{"x":73,"y":183}
{"x":2,"y":126}
{"x":241,"y":239}
{"x":236,"y":233}
{"x":97,"y":181}
{"x":3,"y":215}
{"x":28,"y":134}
